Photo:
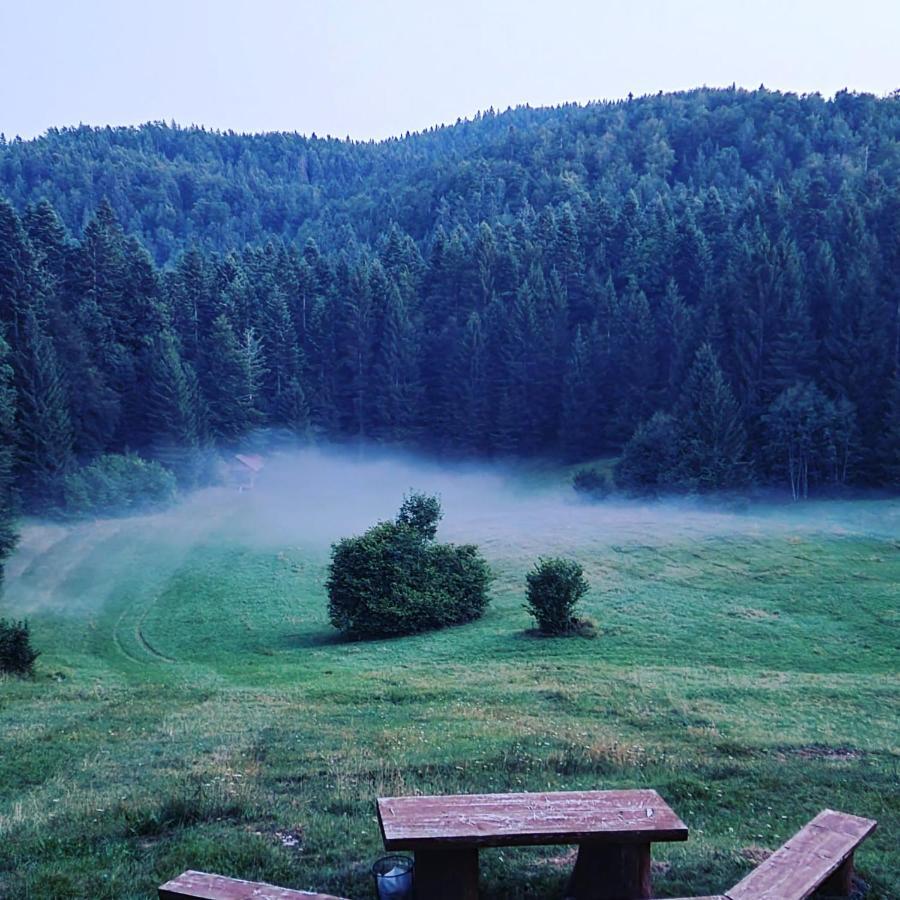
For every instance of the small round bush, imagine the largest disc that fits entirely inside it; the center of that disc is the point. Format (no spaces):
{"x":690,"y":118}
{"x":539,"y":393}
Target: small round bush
{"x":591,"y":484}
{"x":555,"y":586}
{"x":17,"y":656}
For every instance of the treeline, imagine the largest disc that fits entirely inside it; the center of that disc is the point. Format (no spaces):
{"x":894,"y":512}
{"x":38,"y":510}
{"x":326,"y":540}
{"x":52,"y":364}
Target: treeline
{"x":710,"y":280}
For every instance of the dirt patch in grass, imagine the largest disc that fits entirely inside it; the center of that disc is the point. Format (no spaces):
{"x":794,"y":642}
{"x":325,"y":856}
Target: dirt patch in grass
{"x":821,"y":751}
{"x":755,"y":854}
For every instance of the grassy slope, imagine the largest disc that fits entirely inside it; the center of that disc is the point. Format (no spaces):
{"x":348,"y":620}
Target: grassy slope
{"x":195,"y":710}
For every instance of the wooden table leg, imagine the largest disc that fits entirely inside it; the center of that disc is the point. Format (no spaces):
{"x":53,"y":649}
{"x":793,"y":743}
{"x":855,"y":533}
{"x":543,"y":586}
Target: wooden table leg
{"x":840,"y":883}
{"x":447,"y":874}
{"x":611,"y":872}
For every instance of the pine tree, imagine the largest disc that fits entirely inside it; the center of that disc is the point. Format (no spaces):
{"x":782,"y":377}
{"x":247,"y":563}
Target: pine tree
{"x":395,"y":383}
{"x":711,"y":436}
{"x":794,"y":346}
{"x":485,"y":254}
{"x":859,"y":360}
{"x":632,"y":359}
{"x":292,"y":409}
{"x":692,"y":261}
{"x":467,"y":390}
{"x":17,"y":273}
{"x":171,"y":413}
{"x":8,"y":535}
{"x":674,"y":339}
{"x":47,"y":236}
{"x":100,"y":367}
{"x":224,"y":384}
{"x":579,"y":425}
{"x":192,"y":305}
{"x":282,"y":355}
{"x":355,"y":340}
{"x":567,"y":258}
{"x":44,"y":428}
{"x":890,"y":442}
{"x":253,"y":372}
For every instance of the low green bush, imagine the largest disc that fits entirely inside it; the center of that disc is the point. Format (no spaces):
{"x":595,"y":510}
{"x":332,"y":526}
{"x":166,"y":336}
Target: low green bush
{"x":591,"y":484}
{"x":118,"y":483}
{"x":554,"y":588}
{"x":17,"y":656}
{"x":394,"y":579}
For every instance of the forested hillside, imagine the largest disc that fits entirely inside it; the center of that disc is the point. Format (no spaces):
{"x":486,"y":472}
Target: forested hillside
{"x":710,"y":280}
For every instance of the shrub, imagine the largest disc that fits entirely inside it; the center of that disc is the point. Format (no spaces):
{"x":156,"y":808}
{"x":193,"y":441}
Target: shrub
{"x":554,"y":588}
{"x":421,"y":513}
{"x":117,"y":483}
{"x":591,"y":484}
{"x":395,"y":580}
{"x":16,"y":653}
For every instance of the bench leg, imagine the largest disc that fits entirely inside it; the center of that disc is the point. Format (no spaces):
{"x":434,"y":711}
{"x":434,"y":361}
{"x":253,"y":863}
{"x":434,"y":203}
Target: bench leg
{"x":611,"y":872}
{"x":840,"y":883}
{"x":447,"y":874}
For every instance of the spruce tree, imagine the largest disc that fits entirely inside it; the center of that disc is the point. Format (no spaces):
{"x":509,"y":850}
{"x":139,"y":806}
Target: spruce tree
{"x":224,"y":383}
{"x":253,"y":373}
{"x":44,"y":428}
{"x":292,"y":409}
{"x":171,"y":413}
{"x":8,"y":535}
{"x":889,"y":448}
{"x":395,"y":383}
{"x":711,"y":436}
{"x":578,"y":424}
{"x":467,"y":390}
{"x":355,"y":342}
{"x":17,"y":273}
{"x":279,"y":337}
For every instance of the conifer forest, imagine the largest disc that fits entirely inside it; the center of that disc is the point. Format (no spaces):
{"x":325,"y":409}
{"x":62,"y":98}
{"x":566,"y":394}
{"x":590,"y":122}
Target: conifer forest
{"x":705,"y":283}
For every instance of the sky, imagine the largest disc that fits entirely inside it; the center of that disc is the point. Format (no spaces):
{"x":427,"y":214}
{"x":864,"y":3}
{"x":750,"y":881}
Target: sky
{"x":383,"y":67}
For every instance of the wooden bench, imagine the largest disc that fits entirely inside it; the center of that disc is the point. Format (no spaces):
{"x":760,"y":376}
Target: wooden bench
{"x":205,"y":886}
{"x":614,"y":830}
{"x":819,"y":857}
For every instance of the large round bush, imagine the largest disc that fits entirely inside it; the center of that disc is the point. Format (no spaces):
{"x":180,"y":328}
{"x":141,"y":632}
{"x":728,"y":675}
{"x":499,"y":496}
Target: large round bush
{"x":395,"y":579}
{"x":117,"y":483}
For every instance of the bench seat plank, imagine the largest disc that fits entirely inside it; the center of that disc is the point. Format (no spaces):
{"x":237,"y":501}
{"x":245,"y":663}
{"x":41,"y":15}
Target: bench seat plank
{"x":798,"y":868}
{"x":206,"y":886}
{"x":496,"y":820}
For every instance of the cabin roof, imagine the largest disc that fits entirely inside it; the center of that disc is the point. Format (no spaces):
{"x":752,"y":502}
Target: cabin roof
{"x":251,"y":461}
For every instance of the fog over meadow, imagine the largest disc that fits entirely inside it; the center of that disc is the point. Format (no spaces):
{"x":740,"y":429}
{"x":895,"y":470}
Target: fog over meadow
{"x":309,"y":497}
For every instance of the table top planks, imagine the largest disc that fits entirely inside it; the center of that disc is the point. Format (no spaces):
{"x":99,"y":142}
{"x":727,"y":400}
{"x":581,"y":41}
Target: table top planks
{"x":207,"y":886}
{"x":799,"y":867}
{"x":496,"y":820}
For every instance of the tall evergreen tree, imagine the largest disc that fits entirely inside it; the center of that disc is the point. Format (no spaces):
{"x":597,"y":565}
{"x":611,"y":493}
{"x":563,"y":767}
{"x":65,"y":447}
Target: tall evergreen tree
{"x":172,"y":416}
{"x":579,"y":424}
{"x":44,"y":429}
{"x":711,"y":438}
{"x":8,"y":534}
{"x":467,"y":390}
{"x":395,"y":380}
{"x":227,"y":384}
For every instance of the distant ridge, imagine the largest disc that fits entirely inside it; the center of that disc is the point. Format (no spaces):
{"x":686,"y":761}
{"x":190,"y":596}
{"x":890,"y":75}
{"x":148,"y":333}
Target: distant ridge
{"x":175,"y":186}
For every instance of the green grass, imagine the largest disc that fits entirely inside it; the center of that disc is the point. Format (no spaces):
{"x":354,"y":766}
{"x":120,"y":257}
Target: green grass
{"x":193,"y":705}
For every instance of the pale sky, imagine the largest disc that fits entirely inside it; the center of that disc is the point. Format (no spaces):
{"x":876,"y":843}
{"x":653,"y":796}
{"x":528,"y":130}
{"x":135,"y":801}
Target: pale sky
{"x":379,"y":68}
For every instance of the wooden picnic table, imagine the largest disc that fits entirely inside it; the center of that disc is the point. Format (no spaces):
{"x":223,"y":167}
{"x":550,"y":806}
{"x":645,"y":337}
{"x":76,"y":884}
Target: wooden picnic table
{"x":614,"y":831}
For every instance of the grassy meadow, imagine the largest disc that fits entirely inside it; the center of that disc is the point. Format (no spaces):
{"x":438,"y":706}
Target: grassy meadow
{"x":194,"y":709}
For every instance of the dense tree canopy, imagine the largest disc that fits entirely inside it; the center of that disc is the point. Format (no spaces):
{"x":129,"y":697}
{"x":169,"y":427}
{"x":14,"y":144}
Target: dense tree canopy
{"x":711,"y":272}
